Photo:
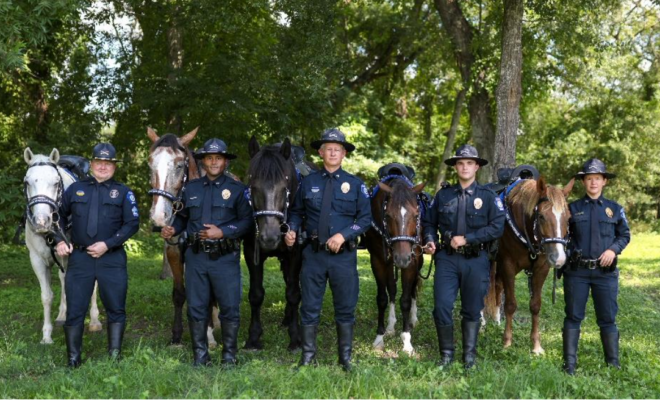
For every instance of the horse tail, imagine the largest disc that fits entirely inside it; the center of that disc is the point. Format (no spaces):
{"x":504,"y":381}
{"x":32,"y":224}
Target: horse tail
{"x":491,"y":308}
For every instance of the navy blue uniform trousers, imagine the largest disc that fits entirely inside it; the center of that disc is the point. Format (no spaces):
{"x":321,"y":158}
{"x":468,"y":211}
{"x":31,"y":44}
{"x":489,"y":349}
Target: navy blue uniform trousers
{"x":604,"y":286}
{"x":83,"y":271}
{"x":341,"y":270}
{"x":453,"y":273}
{"x":220,"y":278}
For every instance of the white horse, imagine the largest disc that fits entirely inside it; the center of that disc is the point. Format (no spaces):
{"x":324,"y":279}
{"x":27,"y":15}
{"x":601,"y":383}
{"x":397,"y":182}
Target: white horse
{"x":45,"y":182}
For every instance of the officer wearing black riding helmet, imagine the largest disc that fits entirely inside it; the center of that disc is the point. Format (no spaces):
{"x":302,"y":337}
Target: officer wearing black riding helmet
{"x":215,"y":215}
{"x":336,"y":210}
{"x":104,"y":215}
{"x":599,"y":232}
{"x":467,"y":217}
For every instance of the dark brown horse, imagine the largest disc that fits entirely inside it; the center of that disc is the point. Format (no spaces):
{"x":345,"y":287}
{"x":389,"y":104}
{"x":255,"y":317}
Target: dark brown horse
{"x":273,"y":182}
{"x":172,"y":166}
{"x":394,"y":240}
{"x":534,"y":240}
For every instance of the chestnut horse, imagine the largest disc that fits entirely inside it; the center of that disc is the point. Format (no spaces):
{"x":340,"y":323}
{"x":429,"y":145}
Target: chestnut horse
{"x":394,"y":241}
{"x":534,"y":240}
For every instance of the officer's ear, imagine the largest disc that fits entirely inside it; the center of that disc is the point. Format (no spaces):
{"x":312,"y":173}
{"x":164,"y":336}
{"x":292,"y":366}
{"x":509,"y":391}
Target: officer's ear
{"x":285,"y":149}
{"x":153,"y":136}
{"x":384,"y":187}
{"x":567,"y":189}
{"x":418,"y":188}
{"x":541,"y":186}
{"x":27,"y":155}
{"x":253,"y":146}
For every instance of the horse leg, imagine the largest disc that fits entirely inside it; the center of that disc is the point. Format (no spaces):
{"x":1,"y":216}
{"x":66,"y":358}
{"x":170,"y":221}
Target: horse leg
{"x":391,"y":290}
{"x":94,"y":323}
{"x":408,"y":282}
{"x":256,"y":297}
{"x":43,"y":275}
{"x":166,"y":272}
{"x":499,"y":297}
{"x":291,"y":266}
{"x":178,"y":292}
{"x":213,"y":312}
{"x":378,"y":269}
{"x":510,"y":305}
{"x":538,"y":279}
{"x":61,"y":316}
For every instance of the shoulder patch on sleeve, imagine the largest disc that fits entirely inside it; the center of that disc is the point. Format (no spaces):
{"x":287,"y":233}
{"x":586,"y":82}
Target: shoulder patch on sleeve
{"x":623,"y":215}
{"x":130,"y":196}
{"x":498,"y":203}
{"x":135,"y":211}
{"x":364,"y":190}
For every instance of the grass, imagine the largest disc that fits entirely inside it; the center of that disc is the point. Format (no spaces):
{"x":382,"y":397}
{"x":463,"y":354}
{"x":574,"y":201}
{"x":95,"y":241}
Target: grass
{"x":150,"y":368}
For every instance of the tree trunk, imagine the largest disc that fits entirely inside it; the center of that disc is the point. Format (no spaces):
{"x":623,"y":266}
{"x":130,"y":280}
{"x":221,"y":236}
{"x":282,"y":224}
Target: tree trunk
{"x":509,"y":89}
{"x":451,"y":137}
{"x":175,"y":59}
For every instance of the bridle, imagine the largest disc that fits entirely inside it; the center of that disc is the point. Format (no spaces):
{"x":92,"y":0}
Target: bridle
{"x":281,"y":215}
{"x":43,"y":199}
{"x":177,"y":204}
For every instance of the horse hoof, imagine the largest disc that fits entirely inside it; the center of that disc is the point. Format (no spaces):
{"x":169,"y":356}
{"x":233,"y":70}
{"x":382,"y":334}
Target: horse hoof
{"x":294,"y":348}
{"x":175,"y":342}
{"x":253,"y":346}
{"x":95,"y":327}
{"x":60,"y":322}
{"x":46,"y":341}
{"x":213,"y":345}
{"x":379,"y":343}
{"x":538,"y":352}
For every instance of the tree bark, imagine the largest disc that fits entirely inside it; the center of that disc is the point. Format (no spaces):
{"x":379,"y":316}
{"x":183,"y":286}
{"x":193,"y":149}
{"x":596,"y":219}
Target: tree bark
{"x":451,"y":137}
{"x":175,"y":59}
{"x":509,"y":89}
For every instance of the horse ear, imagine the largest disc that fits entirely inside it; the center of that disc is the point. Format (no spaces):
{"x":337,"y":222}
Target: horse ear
{"x":188,"y":137}
{"x":152,"y":134}
{"x":384,"y":187}
{"x":285,"y":149}
{"x":541,"y":186}
{"x":55,"y":156}
{"x":418,"y":188}
{"x":253,"y":146}
{"x":567,"y":189}
{"x":27,"y":155}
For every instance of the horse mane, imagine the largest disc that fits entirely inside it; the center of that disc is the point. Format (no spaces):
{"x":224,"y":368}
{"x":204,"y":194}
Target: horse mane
{"x":168,"y":140}
{"x":401,"y":193}
{"x":268,"y":165}
{"x":527,"y":196}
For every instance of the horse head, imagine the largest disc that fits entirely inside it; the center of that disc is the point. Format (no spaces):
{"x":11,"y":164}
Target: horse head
{"x":171,"y":166}
{"x":400,"y":215}
{"x":273,"y":182}
{"x":43,"y":189}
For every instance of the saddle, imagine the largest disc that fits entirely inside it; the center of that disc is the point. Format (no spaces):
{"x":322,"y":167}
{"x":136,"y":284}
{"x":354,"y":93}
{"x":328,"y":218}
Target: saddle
{"x":298,"y":155}
{"x":395,"y":168}
{"x":506,"y":176}
{"x":77,"y":165}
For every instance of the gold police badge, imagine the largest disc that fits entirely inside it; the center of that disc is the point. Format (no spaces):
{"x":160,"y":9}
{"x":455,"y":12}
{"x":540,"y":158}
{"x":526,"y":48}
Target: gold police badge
{"x":345,"y":187}
{"x":478,"y":203}
{"x":226,"y":194}
{"x":609,"y":212}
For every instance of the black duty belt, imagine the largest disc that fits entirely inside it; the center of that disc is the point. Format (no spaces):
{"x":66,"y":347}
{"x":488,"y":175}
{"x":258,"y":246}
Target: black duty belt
{"x":317,"y":246}
{"x":214,"y":247}
{"x":467,"y":251}
{"x":84,"y":248}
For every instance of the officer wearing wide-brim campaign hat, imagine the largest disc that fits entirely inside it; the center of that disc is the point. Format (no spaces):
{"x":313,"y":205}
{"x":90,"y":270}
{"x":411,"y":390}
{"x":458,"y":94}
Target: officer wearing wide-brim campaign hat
{"x":103,"y":215}
{"x":462,"y":219}
{"x":333,"y":135}
{"x":215,"y":215}
{"x":598,"y":234}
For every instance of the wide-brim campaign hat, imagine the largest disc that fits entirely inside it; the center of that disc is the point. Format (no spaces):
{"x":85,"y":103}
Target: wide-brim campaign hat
{"x":104,"y":152}
{"x":333,"y":135}
{"x":214,"y":146}
{"x":466,"y":152}
{"x":594,"y":166}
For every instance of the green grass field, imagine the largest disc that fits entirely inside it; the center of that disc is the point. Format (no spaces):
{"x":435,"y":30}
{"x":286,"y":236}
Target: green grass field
{"x":151,"y":368}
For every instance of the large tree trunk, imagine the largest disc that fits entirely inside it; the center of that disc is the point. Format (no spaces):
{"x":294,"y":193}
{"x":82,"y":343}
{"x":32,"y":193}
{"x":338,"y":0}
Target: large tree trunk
{"x":509,"y":90}
{"x":175,"y":59}
{"x":451,"y":137}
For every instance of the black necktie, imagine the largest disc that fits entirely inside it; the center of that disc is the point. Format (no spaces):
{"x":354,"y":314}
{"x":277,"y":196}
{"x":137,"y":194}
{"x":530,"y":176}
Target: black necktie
{"x":208,"y":203}
{"x":594,"y":247}
{"x":93,"y":219}
{"x":326,"y":205}
{"x":462,"y":210}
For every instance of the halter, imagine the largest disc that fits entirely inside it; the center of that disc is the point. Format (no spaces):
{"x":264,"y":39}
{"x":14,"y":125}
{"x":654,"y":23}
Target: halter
{"x":43,"y":199}
{"x":281,"y":215}
{"x":177,"y":204}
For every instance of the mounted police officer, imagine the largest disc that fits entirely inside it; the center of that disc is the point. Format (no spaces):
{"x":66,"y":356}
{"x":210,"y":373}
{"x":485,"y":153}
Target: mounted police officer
{"x":599,"y":233}
{"x":335,"y":207}
{"x":215,"y":215}
{"x":467,"y":217}
{"x":103,"y":214}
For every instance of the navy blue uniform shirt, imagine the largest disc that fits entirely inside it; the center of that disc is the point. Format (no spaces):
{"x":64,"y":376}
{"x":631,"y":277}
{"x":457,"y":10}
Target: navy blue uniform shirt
{"x":118,"y":217}
{"x":351,"y":207}
{"x":231,"y":211}
{"x":484,"y":220}
{"x":613,"y":226}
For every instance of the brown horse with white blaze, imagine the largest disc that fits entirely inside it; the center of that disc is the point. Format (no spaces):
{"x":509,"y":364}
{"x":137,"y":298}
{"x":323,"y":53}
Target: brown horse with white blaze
{"x":534,"y":240}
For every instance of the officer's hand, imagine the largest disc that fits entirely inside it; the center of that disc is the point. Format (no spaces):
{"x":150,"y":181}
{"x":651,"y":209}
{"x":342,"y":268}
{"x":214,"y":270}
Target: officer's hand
{"x":167,"y":232}
{"x":335,"y":242}
{"x":97,"y":249}
{"x":458,"y":241}
{"x":429,"y":248}
{"x":290,"y":238}
{"x":211,"y":232}
{"x":64,"y":249}
{"x":607,"y":258}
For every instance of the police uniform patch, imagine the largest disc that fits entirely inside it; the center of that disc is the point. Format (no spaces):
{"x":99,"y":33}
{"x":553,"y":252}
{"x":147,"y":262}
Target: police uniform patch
{"x":131,"y":197}
{"x":355,"y":227}
{"x":609,"y":212}
{"x":478,"y":203}
{"x":623,"y":215}
{"x":135,"y":211}
{"x":114,"y":193}
{"x":345,"y":187}
{"x":365,"y":191}
{"x":80,"y":193}
{"x":498,"y":203}
{"x":248,"y":195}
{"x":226,"y":194}
{"x":315,"y":189}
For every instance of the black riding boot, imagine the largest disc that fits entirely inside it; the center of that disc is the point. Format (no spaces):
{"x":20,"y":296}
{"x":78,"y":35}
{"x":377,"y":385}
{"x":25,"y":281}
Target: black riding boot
{"x":115,"y":338}
{"x":200,"y":344}
{"x":229,"y":342}
{"x":570,"y":338}
{"x":308,"y":337}
{"x":611,"y":348}
{"x":446,"y":343}
{"x":74,"y":335}
{"x":345,"y":344}
{"x":470,"y":334}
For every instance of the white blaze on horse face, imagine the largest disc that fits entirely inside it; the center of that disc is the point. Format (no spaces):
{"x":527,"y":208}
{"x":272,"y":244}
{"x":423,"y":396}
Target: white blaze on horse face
{"x":559,"y":248}
{"x":163,"y":165}
{"x":403,"y":220}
